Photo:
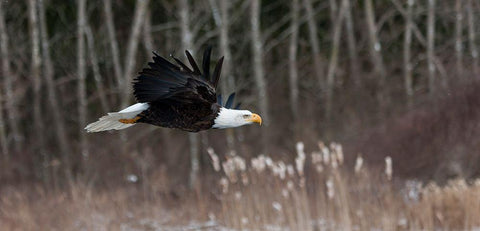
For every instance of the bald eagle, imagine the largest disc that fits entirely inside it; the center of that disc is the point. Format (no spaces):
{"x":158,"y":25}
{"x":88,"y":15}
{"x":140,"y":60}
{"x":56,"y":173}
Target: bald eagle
{"x":176,"y":96}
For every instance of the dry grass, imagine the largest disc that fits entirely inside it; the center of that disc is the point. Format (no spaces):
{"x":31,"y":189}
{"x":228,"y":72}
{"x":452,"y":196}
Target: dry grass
{"x":314,"y":192}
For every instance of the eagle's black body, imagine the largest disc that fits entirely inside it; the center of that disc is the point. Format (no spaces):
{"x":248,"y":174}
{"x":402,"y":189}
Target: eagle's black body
{"x":178,"y":96}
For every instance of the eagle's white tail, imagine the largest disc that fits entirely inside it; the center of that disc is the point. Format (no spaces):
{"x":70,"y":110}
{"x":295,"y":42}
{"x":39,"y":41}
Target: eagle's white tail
{"x":111,"y":121}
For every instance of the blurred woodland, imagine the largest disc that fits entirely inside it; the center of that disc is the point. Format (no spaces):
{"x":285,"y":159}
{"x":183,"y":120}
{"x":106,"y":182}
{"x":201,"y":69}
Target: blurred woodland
{"x":385,"y":77}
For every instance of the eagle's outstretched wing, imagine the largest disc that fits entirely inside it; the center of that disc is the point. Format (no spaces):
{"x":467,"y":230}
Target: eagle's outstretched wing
{"x":165,"y":81}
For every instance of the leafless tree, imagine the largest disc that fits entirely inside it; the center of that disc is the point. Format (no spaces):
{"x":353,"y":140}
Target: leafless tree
{"x":35,"y":73}
{"x":131,"y":54}
{"x":221,"y":17}
{"x":407,"y":45}
{"x":99,"y":81}
{"x":332,"y":66}
{"x":187,"y":43}
{"x":313,"y":36}
{"x":374,"y":45}
{"x":257,"y":50}
{"x":117,"y":68}
{"x":48,"y":74}
{"x":431,"y":45}
{"x":352,"y":46}
{"x":292,"y":61}
{"x":472,"y":37}
{"x":459,"y":37}
{"x":81,"y":72}
{"x":8,"y":77}
{"x":375,"y":49}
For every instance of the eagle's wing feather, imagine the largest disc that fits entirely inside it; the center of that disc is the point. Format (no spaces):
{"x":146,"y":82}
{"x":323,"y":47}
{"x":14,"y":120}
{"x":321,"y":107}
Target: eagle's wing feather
{"x":163,"y":80}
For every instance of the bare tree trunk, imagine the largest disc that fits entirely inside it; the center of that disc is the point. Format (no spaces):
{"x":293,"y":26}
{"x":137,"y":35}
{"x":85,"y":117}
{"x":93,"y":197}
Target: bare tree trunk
{"x":228,"y":80}
{"x":149,"y":48}
{"x":459,"y":37}
{"x":472,"y":37}
{"x":37,"y":82}
{"x":292,"y":64}
{"x":117,"y":67}
{"x":332,"y":66}
{"x":431,"y":46}
{"x":257,"y":50}
{"x":187,"y":44}
{"x":3,"y":137}
{"x":258,"y":71}
{"x":352,"y":46}
{"x":48,"y":73}
{"x":375,"y":53}
{"x":96,"y":70}
{"x":407,"y":46}
{"x":147,"y":34}
{"x":81,"y":91}
{"x":130,"y":56}
{"x":11,"y":102}
{"x":315,"y":46}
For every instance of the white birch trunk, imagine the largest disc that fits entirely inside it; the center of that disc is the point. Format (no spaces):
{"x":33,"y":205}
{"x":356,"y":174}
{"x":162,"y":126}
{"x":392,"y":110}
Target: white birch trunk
{"x":8,"y":77}
{"x":431,"y":46}
{"x":459,"y":37}
{"x":352,"y":46}
{"x":117,"y":67}
{"x":187,"y":44}
{"x":332,"y":66}
{"x":48,"y":74}
{"x":131,"y":54}
{"x":407,"y":65}
{"x":227,"y":81}
{"x":292,"y":63}
{"x":315,"y":46}
{"x":374,"y":45}
{"x":96,"y":70}
{"x":81,"y":72}
{"x":257,"y":50}
{"x":35,"y":73}
{"x":472,"y":38}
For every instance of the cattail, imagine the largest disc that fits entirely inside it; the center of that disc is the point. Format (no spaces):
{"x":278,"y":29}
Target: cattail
{"x":238,"y":195}
{"x":290,"y":185}
{"x":333,"y":161}
{"x":285,"y":193}
{"x":290,"y":170}
{"x":277,"y":206}
{"x":268,"y":161}
{"x":282,"y":169}
{"x":239,"y":163}
{"x":214,"y":157}
{"x":224,"y":184}
{"x":388,"y":167}
{"x":300,"y":159}
{"x":325,"y":152}
{"x":339,"y":152}
{"x":259,"y":163}
{"x":316,"y":158}
{"x":330,"y":189}
{"x":358,"y":164}
{"x":244,"y":178}
{"x":229,"y":169}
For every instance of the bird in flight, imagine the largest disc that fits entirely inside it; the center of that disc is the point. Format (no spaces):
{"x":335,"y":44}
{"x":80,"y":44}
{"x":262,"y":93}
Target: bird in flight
{"x":180,"y":97}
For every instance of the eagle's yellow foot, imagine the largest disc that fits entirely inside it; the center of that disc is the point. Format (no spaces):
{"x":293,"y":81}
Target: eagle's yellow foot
{"x":129,"y":121}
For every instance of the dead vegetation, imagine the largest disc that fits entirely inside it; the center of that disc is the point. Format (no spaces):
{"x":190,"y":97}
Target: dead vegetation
{"x":316,"y":191}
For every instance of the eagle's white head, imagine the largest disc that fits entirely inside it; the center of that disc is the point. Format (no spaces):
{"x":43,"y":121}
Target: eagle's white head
{"x":230,"y":118}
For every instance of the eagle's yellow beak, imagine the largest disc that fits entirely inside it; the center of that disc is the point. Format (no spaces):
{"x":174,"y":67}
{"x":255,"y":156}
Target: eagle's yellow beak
{"x":256,"y":119}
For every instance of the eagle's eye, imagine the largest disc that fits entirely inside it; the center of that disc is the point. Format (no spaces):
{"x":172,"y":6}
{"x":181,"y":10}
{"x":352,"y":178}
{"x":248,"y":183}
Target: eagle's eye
{"x":246,"y":116}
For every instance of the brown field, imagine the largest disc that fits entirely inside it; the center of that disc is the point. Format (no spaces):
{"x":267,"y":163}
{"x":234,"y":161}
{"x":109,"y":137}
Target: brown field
{"x":314,"y":192}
